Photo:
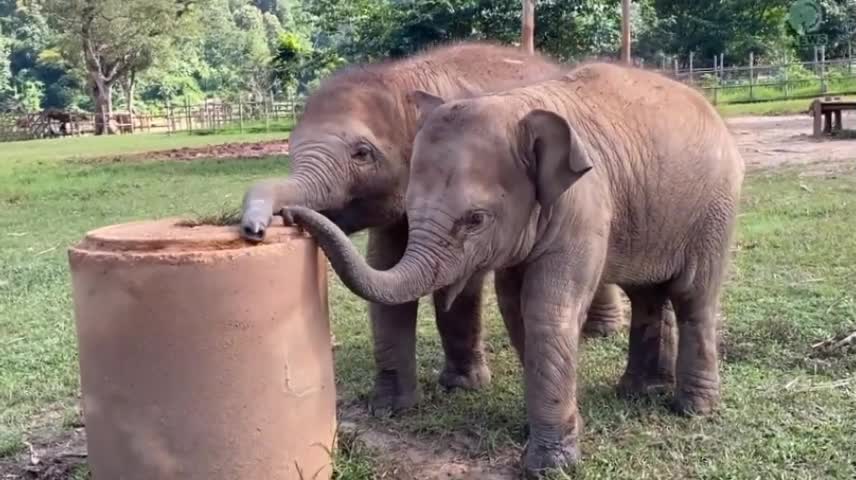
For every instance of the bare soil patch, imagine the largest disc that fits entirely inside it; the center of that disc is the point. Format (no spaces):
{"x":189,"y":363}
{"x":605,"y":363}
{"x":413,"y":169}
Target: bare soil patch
{"x":47,"y":457}
{"x":271,"y":148}
{"x":774,"y":142}
{"x":403,"y":455}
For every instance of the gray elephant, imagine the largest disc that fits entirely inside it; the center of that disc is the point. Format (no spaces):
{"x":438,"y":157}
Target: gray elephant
{"x":350,"y":157}
{"x":606,"y":174}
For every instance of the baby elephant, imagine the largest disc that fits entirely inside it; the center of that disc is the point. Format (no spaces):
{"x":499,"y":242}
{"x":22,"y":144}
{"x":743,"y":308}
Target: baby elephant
{"x":606,"y":174}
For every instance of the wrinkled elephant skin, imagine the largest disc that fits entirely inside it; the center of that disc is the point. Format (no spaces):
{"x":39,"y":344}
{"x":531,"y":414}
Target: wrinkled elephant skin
{"x":609,"y":174}
{"x":350,"y":157}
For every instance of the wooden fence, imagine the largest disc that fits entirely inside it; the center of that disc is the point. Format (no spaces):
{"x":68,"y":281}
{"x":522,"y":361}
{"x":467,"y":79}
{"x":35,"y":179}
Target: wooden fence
{"x":753,"y":82}
{"x":169,"y":118}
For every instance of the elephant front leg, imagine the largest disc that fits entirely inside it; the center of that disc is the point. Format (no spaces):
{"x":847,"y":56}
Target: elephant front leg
{"x":393,"y":332}
{"x":653,"y":343}
{"x":605,"y":316}
{"x":555,"y":299}
{"x":461,"y":333}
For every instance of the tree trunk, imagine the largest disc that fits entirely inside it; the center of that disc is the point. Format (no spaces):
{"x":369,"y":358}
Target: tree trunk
{"x":102,"y":95}
{"x":527,"y":37}
{"x":128,"y":84}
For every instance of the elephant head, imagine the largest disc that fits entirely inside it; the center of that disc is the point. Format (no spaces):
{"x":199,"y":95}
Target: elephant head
{"x":484,"y":175}
{"x":347,"y":161}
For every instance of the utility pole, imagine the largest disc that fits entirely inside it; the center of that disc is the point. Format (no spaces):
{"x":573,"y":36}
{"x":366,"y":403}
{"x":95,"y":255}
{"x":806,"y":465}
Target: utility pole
{"x":625,"y":31}
{"x":527,"y":37}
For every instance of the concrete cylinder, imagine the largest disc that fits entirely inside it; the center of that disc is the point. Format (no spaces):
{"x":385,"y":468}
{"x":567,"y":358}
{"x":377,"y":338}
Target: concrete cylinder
{"x":203,"y":357}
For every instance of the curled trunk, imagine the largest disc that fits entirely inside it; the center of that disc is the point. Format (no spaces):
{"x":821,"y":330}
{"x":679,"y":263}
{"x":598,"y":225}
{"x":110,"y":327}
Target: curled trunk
{"x":413,"y":277}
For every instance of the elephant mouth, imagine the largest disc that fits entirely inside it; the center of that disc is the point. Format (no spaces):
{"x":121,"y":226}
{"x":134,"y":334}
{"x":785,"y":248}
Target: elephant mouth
{"x":359,"y":214}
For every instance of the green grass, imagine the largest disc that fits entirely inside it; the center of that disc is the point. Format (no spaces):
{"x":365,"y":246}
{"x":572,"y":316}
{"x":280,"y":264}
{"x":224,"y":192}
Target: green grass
{"x":771,"y":108}
{"x":47,"y":150}
{"x":787,"y":412}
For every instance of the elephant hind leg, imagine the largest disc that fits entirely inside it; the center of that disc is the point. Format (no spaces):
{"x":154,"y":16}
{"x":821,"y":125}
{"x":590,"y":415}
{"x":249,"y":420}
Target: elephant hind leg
{"x":605,"y":315}
{"x":461,"y":334}
{"x":697,"y":371}
{"x":651,"y":360}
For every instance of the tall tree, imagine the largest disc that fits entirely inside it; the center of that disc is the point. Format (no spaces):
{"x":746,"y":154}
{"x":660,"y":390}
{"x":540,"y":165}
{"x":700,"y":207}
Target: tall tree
{"x":115,"y":39}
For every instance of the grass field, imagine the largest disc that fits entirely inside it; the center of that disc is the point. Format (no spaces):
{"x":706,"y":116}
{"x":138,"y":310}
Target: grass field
{"x":32,"y":152}
{"x":789,"y":411}
{"x":775,"y":107}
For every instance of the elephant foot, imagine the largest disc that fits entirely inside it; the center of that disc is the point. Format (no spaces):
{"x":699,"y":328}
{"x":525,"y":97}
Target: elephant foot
{"x":390,"y":397}
{"x":696,"y":403}
{"x":603,"y":321}
{"x":634,"y":385}
{"x":542,"y":460}
{"x":475,"y":377}
{"x":544,"y":457}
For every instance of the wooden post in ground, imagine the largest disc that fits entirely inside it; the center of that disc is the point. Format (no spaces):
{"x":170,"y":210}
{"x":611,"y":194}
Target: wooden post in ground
{"x":751,"y":76}
{"x":241,"y":113}
{"x":787,"y":82}
{"x":625,"y":32}
{"x":692,"y":68}
{"x":818,"y":118}
{"x":188,"y":116}
{"x":527,"y":33}
{"x":823,"y":87}
{"x":267,"y":114}
{"x":715,"y":79}
{"x":293,"y":109}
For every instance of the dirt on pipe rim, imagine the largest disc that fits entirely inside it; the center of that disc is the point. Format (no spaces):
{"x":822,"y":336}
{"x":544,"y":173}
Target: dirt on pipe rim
{"x":175,"y":240}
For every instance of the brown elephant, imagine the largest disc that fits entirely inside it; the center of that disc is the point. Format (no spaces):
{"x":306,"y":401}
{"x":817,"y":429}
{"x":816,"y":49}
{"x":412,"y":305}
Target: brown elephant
{"x":350,"y":157}
{"x":608,"y":174}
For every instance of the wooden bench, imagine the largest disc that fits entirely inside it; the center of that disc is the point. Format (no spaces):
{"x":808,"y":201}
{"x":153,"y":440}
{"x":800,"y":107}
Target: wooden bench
{"x":827,"y":114}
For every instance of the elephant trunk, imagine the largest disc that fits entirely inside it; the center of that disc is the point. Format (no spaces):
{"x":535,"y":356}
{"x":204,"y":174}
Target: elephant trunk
{"x":414,"y":276}
{"x":267,"y":198}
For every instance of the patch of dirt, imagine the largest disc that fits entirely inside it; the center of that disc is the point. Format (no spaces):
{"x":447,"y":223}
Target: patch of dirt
{"x":403,"y":455}
{"x":400,"y":455}
{"x":54,"y":458}
{"x":221,"y":151}
{"x":775,"y":142}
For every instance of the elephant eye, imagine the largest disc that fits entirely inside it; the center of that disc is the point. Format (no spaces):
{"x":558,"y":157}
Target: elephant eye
{"x":475,"y":219}
{"x":363,"y":153}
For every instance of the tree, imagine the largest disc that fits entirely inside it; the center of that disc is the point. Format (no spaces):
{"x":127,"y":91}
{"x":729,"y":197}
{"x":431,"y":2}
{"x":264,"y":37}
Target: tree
{"x":112,"y":40}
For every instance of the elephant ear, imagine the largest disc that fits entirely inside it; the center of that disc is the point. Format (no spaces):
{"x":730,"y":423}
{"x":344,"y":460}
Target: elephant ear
{"x":425,"y":103}
{"x":557,"y":156}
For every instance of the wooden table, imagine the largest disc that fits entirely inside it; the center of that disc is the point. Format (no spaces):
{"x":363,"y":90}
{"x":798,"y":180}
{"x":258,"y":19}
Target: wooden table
{"x":827,"y":114}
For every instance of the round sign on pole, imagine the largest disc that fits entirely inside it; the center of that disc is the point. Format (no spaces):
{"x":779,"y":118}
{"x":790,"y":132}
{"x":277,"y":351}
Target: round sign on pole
{"x":805,"y":16}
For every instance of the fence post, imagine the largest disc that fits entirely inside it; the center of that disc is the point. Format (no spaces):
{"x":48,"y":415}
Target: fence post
{"x":241,"y":112}
{"x":676,"y":67}
{"x":715,"y":80}
{"x":814,"y":63}
{"x":188,"y":116}
{"x":293,"y":97}
{"x":267,"y":114}
{"x":751,"y":76}
{"x":823,"y":87}
{"x":787,"y":80}
{"x":692,"y":68}
{"x":849,"y":57}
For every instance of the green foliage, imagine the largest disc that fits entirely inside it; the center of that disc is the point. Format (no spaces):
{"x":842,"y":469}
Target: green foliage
{"x":195,"y":49}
